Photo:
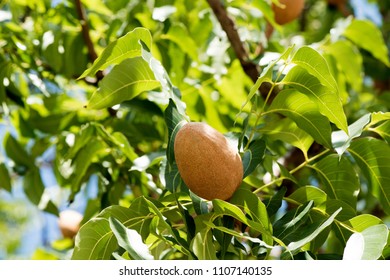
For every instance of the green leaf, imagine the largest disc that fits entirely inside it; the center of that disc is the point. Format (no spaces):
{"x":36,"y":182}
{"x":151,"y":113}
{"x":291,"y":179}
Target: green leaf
{"x":341,"y":140}
{"x":310,"y":234}
{"x":95,"y":239}
{"x":83,"y":160}
{"x":380,"y":124}
{"x":363,"y":221}
{"x":313,"y":62}
{"x":309,"y":193}
{"x":222,"y":208}
{"x":275,"y":202}
{"x":266,"y":76}
{"x":383,"y":130}
{"x":373,"y":157}
{"x":253,"y":156}
{"x":174,"y":121}
{"x":126,"y":80}
{"x":349,"y":61}
{"x":130,"y":240}
{"x":367,"y":36}
{"x":255,"y":208}
{"x":339,"y":179}
{"x":125,"y":47}
{"x":304,"y":112}
{"x":33,"y":185}
{"x":202,"y":245}
{"x":178,"y":34}
{"x":331,"y":205}
{"x":368,"y":244}
{"x":378,"y":117}
{"x":161,"y":75}
{"x":287,"y":131}
{"x":5,"y":182}
{"x":238,"y":234}
{"x":16,"y":152}
{"x":34,"y":189}
{"x":268,"y":13}
{"x":287,"y":227}
{"x":116,"y":139}
{"x":321,"y":91}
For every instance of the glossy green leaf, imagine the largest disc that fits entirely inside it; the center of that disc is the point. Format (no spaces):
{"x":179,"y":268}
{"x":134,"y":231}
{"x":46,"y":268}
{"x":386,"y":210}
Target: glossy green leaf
{"x":313,"y":62}
{"x":287,"y":131}
{"x":368,"y":244}
{"x":287,"y":227}
{"x":161,"y":75}
{"x":349,"y":61}
{"x":363,"y":221}
{"x":378,"y":117}
{"x":5,"y":182}
{"x":95,"y":239}
{"x":319,"y":89}
{"x":383,"y":130}
{"x":238,"y":235}
{"x":174,"y":121}
{"x":304,"y":112}
{"x":130,"y":240}
{"x":255,"y":209}
{"x":275,"y":202}
{"x":367,"y":36}
{"x":222,"y":208}
{"x":125,"y":47}
{"x":331,"y":205}
{"x":311,"y":233}
{"x":253,"y":156}
{"x":203,"y":246}
{"x":309,"y":193}
{"x":339,"y":179}
{"x":342,"y":140}
{"x":373,"y":157}
{"x":126,"y":80}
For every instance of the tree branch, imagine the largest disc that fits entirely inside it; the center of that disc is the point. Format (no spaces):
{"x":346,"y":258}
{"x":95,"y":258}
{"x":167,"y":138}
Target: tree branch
{"x":251,"y":69}
{"x":86,"y":35}
{"x":228,"y":25}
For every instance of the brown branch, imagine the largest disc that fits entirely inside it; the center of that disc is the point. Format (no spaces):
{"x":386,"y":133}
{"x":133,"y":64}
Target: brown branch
{"x":251,"y":69}
{"x":228,"y":25}
{"x":86,"y":35}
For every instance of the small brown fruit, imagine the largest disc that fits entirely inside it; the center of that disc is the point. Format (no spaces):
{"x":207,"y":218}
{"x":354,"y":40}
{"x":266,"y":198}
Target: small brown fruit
{"x":209,"y":165}
{"x":69,"y":223}
{"x":290,"y":10}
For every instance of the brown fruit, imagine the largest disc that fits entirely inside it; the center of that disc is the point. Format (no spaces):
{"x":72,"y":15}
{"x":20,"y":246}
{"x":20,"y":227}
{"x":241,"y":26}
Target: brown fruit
{"x":69,"y":222}
{"x":288,"y":11}
{"x":208,"y":164}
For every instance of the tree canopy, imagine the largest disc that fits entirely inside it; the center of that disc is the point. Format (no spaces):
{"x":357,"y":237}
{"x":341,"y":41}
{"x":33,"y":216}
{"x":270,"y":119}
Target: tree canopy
{"x":95,"y":91}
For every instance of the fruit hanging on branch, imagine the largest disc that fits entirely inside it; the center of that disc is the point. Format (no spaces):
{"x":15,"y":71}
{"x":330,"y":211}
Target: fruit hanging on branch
{"x":209,"y":165}
{"x":288,"y":10}
{"x":69,"y":222}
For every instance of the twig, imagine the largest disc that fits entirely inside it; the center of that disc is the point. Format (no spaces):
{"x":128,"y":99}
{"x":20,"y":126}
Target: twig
{"x":251,"y":69}
{"x":86,"y":35}
{"x":228,"y":25}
